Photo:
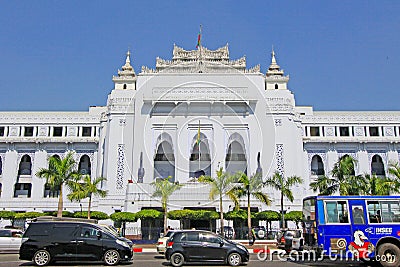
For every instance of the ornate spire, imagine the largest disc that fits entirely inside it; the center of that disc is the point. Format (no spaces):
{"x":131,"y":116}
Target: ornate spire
{"x":274,"y":69}
{"x":128,"y":58}
{"x":127,"y":75}
{"x":127,"y":71}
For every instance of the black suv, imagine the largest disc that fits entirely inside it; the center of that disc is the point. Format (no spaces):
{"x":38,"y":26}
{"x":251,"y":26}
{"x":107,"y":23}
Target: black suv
{"x":48,"y":241}
{"x":195,"y":245}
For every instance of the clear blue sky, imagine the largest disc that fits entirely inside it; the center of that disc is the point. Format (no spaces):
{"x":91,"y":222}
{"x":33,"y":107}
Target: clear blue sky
{"x":61,"y":55}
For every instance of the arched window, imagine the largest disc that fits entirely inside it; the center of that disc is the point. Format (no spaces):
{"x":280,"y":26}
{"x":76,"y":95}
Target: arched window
{"x":1,"y":166}
{"x":84,"y":165}
{"x":276,"y":86}
{"x":164,"y":161}
{"x":317,"y":166}
{"x":125,"y":86}
{"x":200,"y":159}
{"x":235,"y":159}
{"x":25,"y":166}
{"x":1,"y":188}
{"x":377,"y":166}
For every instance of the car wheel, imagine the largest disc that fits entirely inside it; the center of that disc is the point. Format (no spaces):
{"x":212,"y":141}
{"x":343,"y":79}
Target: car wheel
{"x":389,"y":255}
{"x":234,"y":259}
{"x":177,"y":259}
{"x":42,"y":257}
{"x":111,"y":257}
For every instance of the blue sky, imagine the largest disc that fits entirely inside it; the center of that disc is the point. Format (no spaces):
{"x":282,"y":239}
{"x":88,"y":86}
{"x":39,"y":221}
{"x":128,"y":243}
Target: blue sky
{"x":61,"y":55}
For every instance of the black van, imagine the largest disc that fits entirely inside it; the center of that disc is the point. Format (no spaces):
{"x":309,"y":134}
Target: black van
{"x":58,"y":240}
{"x":197,"y":245}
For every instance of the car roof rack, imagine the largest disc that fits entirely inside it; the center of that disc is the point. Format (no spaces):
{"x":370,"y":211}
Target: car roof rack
{"x":62,"y":219}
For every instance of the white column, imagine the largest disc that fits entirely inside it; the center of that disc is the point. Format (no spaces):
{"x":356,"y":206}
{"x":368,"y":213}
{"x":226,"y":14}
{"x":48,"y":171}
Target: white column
{"x":38,"y":183}
{"x":331,"y":158}
{"x":363,"y":162}
{"x":393,"y":156}
{"x":10,"y":167}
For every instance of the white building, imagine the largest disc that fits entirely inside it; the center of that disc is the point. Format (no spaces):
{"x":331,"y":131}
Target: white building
{"x":243,"y":119}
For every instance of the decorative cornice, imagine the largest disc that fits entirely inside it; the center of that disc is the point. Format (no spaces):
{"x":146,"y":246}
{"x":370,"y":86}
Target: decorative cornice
{"x":352,"y":117}
{"x":32,"y":118}
{"x":202,"y":60}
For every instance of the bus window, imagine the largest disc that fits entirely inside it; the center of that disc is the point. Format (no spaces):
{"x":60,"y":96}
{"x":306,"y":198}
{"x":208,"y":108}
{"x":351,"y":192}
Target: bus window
{"x":374,"y":212}
{"x":358,"y":215}
{"x":390,"y":211}
{"x":336,"y":212}
{"x":309,"y":209}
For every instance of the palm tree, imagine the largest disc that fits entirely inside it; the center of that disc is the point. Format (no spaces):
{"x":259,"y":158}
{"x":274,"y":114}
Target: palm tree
{"x":221,"y":185}
{"x":324,"y":185}
{"x":379,"y":186}
{"x":343,"y":180}
{"x":164,"y":189}
{"x":282,"y":184}
{"x":60,"y":172}
{"x":86,"y":188}
{"x":394,"y":170}
{"x":251,"y":186}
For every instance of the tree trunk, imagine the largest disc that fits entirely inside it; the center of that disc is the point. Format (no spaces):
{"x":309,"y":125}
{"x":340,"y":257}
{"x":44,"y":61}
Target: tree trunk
{"x":221,"y":217}
{"x":90,"y":203}
{"x":164,"y":206}
{"x":248,"y":215}
{"x":60,"y":203}
{"x":282,"y":213}
{"x":165,"y":220}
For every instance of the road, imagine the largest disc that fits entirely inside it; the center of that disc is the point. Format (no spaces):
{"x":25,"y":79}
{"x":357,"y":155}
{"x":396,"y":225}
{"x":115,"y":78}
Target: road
{"x":153,"y":259}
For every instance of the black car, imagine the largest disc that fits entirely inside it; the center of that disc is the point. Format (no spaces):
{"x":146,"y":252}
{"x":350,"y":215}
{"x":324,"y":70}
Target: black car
{"x":286,"y":239}
{"x":48,"y":241}
{"x":195,"y":245}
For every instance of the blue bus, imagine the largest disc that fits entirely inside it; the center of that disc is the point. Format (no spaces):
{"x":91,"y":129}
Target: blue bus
{"x":362,"y":227}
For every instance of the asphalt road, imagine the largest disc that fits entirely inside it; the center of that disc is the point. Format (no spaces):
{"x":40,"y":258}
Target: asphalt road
{"x":153,"y":260}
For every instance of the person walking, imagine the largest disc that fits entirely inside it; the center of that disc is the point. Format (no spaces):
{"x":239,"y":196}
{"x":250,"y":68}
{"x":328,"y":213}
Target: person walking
{"x":253,"y":235}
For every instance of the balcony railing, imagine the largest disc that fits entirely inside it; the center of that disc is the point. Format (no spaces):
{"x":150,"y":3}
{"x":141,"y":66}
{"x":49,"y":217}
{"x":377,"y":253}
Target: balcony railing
{"x":164,"y":157}
{"x":235,"y":157}
{"x":204,"y":157}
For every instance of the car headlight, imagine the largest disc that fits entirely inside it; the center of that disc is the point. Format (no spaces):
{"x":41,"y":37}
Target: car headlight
{"x":122,"y":243}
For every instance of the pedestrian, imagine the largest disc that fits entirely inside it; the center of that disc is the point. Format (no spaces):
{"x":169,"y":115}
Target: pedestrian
{"x":253,"y":235}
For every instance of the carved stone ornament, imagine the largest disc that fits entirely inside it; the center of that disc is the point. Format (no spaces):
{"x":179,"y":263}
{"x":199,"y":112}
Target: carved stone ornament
{"x":201,"y":60}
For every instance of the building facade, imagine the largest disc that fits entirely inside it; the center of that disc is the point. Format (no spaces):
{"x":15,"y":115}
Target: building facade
{"x":189,"y":116}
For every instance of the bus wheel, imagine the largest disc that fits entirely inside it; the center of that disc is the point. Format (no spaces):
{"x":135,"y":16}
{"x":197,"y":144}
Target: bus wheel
{"x":389,"y":255}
